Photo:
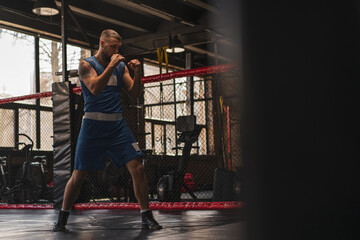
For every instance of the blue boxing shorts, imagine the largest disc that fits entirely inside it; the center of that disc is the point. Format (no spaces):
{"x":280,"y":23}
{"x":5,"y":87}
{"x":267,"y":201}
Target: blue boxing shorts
{"x":99,"y":138}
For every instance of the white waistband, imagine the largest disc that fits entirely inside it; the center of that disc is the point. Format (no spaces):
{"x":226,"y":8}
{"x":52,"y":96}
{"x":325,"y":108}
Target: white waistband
{"x":103,"y":116}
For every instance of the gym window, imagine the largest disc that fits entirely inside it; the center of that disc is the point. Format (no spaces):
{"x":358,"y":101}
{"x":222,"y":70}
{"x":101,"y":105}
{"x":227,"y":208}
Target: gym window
{"x":165,"y":101}
{"x":18,"y":77}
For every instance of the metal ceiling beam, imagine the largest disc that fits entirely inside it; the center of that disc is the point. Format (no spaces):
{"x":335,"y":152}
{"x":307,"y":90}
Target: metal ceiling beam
{"x":149,"y":10}
{"x":155,"y":12}
{"x":136,"y":4}
{"x":188,"y":45}
{"x":210,"y":54}
{"x":31,"y":23}
{"x":103,"y":18}
{"x":163,"y":35}
{"x":203,"y":5}
{"x":79,"y":26}
{"x":192,"y":48}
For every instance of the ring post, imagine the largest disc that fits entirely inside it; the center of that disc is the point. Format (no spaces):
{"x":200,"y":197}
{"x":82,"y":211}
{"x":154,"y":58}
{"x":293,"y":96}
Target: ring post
{"x":63,"y":138}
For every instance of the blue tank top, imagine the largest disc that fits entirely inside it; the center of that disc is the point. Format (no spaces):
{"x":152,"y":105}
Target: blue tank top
{"x":109,"y":99}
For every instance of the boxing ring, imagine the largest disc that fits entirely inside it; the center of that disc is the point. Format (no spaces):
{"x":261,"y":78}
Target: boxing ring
{"x":66,"y":97}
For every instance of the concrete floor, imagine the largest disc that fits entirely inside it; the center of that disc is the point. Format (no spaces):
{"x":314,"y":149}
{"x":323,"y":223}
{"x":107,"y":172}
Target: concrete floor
{"x":123,"y":224}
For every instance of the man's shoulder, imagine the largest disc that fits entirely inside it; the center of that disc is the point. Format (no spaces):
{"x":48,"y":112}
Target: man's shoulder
{"x":120,"y":67}
{"x":88,"y":62}
{"x":88,"y":59}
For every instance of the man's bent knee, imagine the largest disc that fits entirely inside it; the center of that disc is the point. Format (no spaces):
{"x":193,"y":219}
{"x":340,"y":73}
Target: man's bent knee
{"x":135,"y":167}
{"x":79,"y":176}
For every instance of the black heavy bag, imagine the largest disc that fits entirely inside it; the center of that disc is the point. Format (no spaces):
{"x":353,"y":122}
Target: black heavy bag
{"x":223,"y":189}
{"x":165,"y":188}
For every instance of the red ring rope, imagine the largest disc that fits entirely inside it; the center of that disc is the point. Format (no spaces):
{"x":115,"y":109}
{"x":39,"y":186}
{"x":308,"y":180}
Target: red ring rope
{"x":148,"y":79}
{"x":189,"y":72}
{"x":26,"y":97}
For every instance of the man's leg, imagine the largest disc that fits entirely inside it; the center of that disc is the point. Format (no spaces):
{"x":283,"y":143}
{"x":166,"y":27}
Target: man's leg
{"x":73,"y":187}
{"x":140,"y":184}
{"x":71,"y":193}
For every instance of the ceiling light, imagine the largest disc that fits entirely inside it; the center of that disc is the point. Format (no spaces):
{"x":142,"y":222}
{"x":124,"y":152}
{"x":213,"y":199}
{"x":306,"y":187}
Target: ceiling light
{"x":45,"y":8}
{"x":175,"y":45}
{"x":175,"y":50}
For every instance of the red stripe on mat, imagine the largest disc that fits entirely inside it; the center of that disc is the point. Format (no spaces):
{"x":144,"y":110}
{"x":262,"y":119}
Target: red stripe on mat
{"x":163,"y":205}
{"x":153,"y":206}
{"x":26,"y":206}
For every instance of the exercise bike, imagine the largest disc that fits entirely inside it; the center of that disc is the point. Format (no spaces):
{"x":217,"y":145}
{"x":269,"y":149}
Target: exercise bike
{"x":169,"y":186}
{"x":30,"y":184}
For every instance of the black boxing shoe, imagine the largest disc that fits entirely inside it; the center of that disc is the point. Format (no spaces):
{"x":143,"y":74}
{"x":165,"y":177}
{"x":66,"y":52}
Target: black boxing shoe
{"x":61,"y":222}
{"x":148,"y":221}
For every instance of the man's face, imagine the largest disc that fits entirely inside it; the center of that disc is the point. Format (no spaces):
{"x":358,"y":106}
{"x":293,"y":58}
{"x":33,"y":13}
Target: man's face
{"x":110,"y":47}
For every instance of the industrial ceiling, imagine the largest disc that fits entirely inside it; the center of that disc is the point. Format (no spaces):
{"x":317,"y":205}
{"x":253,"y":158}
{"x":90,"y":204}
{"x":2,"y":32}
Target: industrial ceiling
{"x":196,"y":25}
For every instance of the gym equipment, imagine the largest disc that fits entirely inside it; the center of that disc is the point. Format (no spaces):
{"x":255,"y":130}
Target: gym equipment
{"x":189,"y":181}
{"x":30,"y":184}
{"x":228,"y":185}
{"x":239,"y":184}
{"x":4,"y":177}
{"x":224,"y":185}
{"x":169,"y":185}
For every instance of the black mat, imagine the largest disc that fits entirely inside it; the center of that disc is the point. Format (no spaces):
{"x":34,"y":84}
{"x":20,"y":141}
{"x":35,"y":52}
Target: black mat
{"x":123,"y":224}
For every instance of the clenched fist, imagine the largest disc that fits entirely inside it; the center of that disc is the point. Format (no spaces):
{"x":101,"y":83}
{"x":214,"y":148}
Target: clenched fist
{"x":135,"y":65}
{"x":116,"y":59}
